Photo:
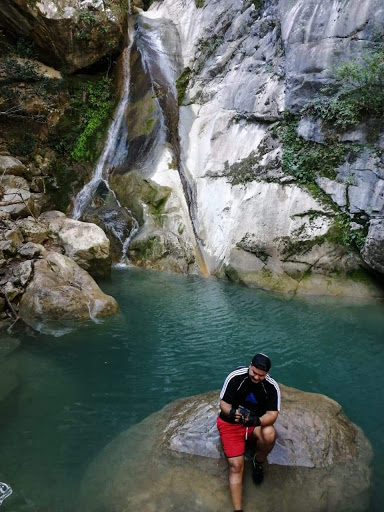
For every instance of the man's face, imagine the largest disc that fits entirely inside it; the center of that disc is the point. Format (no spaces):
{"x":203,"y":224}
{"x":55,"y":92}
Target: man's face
{"x":256,"y":375}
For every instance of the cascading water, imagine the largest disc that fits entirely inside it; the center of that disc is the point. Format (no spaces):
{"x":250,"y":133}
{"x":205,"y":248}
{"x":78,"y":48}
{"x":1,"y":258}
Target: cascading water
{"x":114,"y":153}
{"x":157,"y":46}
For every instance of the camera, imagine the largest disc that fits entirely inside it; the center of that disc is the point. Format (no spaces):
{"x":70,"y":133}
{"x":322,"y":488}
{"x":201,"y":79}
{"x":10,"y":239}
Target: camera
{"x":244,"y":412}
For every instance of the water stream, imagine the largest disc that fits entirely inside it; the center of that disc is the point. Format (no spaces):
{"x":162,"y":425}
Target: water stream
{"x":114,"y":154}
{"x":175,"y":336}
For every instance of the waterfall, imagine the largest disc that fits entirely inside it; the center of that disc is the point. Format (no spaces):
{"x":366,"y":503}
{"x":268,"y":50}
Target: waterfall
{"x":157,"y":45}
{"x":112,"y":148}
{"x":114,"y":153}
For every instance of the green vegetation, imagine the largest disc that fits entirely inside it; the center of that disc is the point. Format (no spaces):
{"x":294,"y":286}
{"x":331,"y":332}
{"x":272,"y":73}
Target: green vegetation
{"x":93,"y":102}
{"x":360,"y":93}
{"x":199,"y":3}
{"x":342,"y":233}
{"x":208,"y":46}
{"x":182,"y":84}
{"x":306,"y":159}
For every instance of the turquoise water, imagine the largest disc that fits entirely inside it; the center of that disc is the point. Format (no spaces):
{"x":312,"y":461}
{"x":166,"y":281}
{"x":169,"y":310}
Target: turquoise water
{"x":175,"y":336}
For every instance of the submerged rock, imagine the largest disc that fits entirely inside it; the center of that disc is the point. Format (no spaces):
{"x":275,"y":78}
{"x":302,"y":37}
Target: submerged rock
{"x":61,"y":292}
{"x":173,"y":461}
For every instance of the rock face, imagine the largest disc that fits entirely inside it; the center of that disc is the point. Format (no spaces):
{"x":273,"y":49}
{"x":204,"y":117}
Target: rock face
{"x":59,"y":292}
{"x":83,"y":242}
{"x":242,"y":67}
{"x":320,"y":462}
{"x":68,"y":33}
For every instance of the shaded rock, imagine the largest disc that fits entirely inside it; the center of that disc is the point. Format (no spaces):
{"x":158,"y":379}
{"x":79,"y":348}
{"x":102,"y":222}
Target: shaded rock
{"x":161,"y":250}
{"x":31,"y":250}
{"x":84,"y":242}
{"x":61,"y":291}
{"x":14,"y":236}
{"x":373,"y":250}
{"x":321,"y":461}
{"x":8,"y":248}
{"x":67,"y":34}
{"x":11,"y":165}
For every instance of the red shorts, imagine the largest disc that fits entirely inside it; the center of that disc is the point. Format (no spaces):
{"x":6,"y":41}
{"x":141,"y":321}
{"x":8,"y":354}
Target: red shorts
{"x":233,"y":437}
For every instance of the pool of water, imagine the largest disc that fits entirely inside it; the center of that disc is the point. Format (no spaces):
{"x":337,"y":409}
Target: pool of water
{"x":175,"y":336}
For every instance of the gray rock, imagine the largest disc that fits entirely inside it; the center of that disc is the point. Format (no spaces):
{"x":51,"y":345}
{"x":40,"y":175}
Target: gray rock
{"x":23,"y":272}
{"x":161,"y":249}
{"x":178,"y":451}
{"x":337,"y":191}
{"x":85,"y":243}
{"x":358,"y":135}
{"x":8,"y":248}
{"x":311,"y":129}
{"x":373,"y":250}
{"x":11,"y":165}
{"x":32,"y":230}
{"x":15,"y":236}
{"x":61,"y":292}
{"x":16,"y":190}
{"x":319,"y":37}
{"x":31,"y":250}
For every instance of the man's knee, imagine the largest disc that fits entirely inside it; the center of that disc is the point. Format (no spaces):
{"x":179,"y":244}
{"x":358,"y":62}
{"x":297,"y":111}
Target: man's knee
{"x":236,"y":465}
{"x":268,"y":435}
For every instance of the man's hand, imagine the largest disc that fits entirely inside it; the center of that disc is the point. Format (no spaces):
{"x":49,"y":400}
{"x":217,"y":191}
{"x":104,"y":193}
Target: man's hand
{"x":235,"y":415}
{"x":252,"y":420}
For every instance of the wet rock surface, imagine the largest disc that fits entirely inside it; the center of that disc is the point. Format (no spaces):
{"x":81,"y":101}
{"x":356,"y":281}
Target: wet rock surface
{"x":320,"y":462}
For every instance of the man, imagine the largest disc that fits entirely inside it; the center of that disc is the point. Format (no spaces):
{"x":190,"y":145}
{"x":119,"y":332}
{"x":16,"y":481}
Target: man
{"x":249,"y":406}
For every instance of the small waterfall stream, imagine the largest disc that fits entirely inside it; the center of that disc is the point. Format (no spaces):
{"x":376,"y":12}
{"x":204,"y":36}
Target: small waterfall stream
{"x":114,"y":153}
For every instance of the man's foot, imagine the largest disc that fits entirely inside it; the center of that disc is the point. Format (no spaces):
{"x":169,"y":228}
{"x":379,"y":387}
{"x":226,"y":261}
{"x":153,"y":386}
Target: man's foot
{"x":257,"y":471}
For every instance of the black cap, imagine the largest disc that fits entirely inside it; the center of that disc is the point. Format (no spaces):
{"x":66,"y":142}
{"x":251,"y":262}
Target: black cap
{"x":262,"y":362}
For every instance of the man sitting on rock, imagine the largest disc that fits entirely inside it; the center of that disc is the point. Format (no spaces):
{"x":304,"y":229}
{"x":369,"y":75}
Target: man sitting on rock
{"x":249,"y":406}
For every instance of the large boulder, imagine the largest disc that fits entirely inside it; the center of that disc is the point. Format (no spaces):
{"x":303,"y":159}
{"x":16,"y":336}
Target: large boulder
{"x":173,"y":460}
{"x":85,"y":243}
{"x":61,"y":292}
{"x":70,"y":33}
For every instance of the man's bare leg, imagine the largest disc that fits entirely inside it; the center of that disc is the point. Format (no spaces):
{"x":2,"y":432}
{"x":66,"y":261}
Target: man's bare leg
{"x":236,"y":470}
{"x":265,"y":437}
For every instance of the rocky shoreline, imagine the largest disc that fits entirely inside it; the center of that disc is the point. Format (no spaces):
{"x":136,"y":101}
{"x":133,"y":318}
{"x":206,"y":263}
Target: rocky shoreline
{"x":47,"y":260}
